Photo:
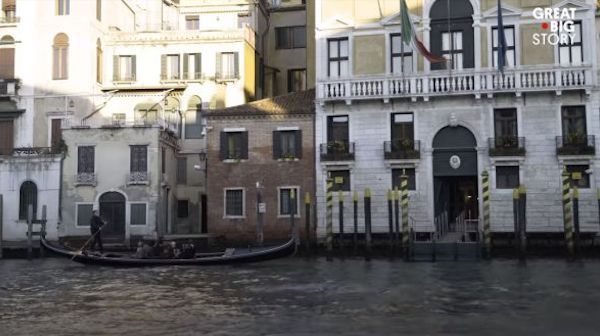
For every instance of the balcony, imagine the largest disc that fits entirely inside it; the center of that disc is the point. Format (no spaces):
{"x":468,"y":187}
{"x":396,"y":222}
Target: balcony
{"x":138,"y":178}
{"x":404,"y":149}
{"x":8,"y":87}
{"x":9,"y":20}
{"x":85,"y":179}
{"x":29,"y":151}
{"x":576,"y":144}
{"x":507,"y":145}
{"x":460,"y":82}
{"x":337,"y":151}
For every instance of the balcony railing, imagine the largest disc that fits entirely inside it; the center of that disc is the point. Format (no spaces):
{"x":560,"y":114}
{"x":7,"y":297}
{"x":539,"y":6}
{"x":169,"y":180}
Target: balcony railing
{"x":459,"y":82}
{"x":86,"y":179}
{"x":138,"y":178}
{"x":337,"y":151}
{"x":29,"y":151}
{"x":402,"y":149}
{"x":124,"y":78}
{"x":507,"y":145}
{"x":576,"y":144}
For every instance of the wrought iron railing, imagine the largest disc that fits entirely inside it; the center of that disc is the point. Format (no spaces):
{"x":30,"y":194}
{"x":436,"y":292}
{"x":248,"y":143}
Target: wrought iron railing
{"x":337,"y":151}
{"x":86,"y":179}
{"x":507,"y":145}
{"x":138,"y":178}
{"x":29,"y":151}
{"x":576,"y":144}
{"x":402,"y":149}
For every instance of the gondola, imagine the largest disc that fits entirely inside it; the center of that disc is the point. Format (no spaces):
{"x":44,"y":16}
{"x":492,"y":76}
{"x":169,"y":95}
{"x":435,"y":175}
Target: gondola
{"x":229,"y":256}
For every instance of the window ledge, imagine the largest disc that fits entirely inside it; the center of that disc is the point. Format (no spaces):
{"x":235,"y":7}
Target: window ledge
{"x":226,"y":80}
{"x":234,"y":160}
{"x":85,"y":184}
{"x":504,"y":159}
{"x":138,"y":183}
{"x":288,"y":217}
{"x":288,"y":159}
{"x":234,"y":217}
{"x":123,"y":82}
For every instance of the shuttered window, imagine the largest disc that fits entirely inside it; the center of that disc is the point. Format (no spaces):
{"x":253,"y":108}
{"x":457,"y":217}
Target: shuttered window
{"x":7,"y":57}
{"x":169,"y":65}
{"x":234,"y":145}
{"x":6,"y":137}
{"x":287,"y":144}
{"x":139,"y":158}
{"x":60,"y":56}
{"x":227,"y":66}
{"x":138,"y":214}
{"x":27,"y":196}
{"x":63,"y":7}
{"x":124,"y":68}
{"x":287,"y":205}
{"x":192,"y":66}
{"x":85,"y":159}
{"x":181,"y":170}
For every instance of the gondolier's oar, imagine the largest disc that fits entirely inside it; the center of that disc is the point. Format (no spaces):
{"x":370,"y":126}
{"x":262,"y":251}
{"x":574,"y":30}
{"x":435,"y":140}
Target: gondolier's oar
{"x":88,"y":241}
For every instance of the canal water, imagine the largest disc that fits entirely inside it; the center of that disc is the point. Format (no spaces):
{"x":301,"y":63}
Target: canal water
{"x":298,"y":296}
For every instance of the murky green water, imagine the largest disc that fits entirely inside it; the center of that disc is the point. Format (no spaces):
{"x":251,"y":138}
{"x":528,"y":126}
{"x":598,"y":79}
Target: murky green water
{"x":302,"y":297}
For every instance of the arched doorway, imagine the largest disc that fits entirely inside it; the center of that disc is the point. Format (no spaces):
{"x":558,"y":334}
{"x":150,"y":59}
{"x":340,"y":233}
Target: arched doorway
{"x":455,"y":174}
{"x":112,"y":210}
{"x":452,"y":34}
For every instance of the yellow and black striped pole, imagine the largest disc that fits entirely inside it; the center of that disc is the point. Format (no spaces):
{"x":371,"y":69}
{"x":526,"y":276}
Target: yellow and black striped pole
{"x":329,"y":216}
{"x":341,"y":219}
{"x":396,"y":216}
{"x":487,"y":234}
{"x":576,"y":218}
{"x":404,"y":205}
{"x":567,"y":212}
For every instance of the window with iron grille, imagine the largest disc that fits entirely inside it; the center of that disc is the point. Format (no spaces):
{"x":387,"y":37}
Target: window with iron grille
{"x":138,"y":158}
{"x":85,"y":159}
{"x":507,"y":177}
{"x":234,"y":202}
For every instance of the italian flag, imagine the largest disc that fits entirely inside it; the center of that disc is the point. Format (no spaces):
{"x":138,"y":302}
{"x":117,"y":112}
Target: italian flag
{"x":409,"y":35}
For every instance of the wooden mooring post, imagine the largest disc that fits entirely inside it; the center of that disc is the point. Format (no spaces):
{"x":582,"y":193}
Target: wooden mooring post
{"x":567,"y":213}
{"x":341,"y":219}
{"x":576,"y":220}
{"x":396,"y":216}
{"x":355,"y":213}
{"x":307,"y":220}
{"x":522,"y":222}
{"x":329,"y":218}
{"x":1,"y":224}
{"x":368,"y":242}
{"x":390,"y":219}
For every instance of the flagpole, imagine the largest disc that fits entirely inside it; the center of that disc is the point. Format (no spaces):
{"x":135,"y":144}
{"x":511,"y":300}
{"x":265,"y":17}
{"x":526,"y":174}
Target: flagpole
{"x":451,"y":41}
{"x":401,"y":46}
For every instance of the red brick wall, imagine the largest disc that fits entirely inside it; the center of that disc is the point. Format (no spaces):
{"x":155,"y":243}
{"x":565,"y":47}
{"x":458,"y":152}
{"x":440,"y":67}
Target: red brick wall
{"x":260,"y":167}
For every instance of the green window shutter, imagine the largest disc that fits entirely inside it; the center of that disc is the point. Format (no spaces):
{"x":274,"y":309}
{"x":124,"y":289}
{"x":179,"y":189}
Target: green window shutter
{"x":115,"y":68}
{"x":133,"y":68}
{"x":244,"y":150}
{"x":298,"y":143}
{"x":218,"y":66}
{"x":276,"y":145}
{"x":198,"y":66}
{"x":236,"y":64}
{"x":185,"y":66}
{"x":163,"y":66}
{"x":223,"y":150}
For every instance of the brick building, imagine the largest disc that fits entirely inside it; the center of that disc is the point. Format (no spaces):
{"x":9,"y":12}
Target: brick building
{"x":270,"y":144}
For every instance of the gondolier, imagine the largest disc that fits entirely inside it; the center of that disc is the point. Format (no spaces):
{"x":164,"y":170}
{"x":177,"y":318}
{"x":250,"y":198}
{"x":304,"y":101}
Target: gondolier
{"x":96,"y":224}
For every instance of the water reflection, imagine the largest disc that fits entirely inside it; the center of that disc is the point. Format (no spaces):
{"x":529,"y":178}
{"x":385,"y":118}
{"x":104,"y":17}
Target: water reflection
{"x":301,"y":297}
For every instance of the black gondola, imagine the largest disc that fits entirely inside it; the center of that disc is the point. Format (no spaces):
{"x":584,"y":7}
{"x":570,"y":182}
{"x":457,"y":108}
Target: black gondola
{"x":229,"y":256}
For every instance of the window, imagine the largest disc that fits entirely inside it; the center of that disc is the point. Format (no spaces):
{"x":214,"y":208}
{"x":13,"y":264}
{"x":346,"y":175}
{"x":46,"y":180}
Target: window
{"x":138,"y":159}
{"x":402,"y":55}
{"x":192,"y":22}
{"x":337,"y":129}
{"x":193,"y":119}
{"x":181,"y":170}
{"x":192,"y":68}
{"x":579,"y":175}
{"x":290,"y":37}
{"x":99,"y":56}
{"x":507,"y":177}
{"x":234,"y":145}
{"x":338,"y":57}
{"x":60,"y":51}
{"x":452,"y":48}
{"x":287,"y":144}
{"x":234,"y":203}
{"x":227,"y":66}
{"x":509,"y":34}
{"x":138,"y":214}
{"x":170,"y":67}
{"x":397,"y":178}
{"x":99,"y":10}
{"x":163,"y":160}
{"x":146,"y":113}
{"x":287,"y":206}
{"x":27,"y":196}
{"x":7,"y":57}
{"x":402,"y":127}
{"x":6,"y":136}
{"x":505,"y":123}
{"x":571,"y":52}
{"x":574,"y":129}
{"x":341,"y":180}
{"x":84,"y":213}
{"x":85,"y":159}
{"x":182,"y":208}
{"x":63,"y":7}
{"x":124,"y":68}
{"x":296,"y":80}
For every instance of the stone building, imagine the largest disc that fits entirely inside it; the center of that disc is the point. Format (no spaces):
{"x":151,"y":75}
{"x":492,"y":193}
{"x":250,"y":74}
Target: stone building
{"x":262,"y":148}
{"x":383,"y":110}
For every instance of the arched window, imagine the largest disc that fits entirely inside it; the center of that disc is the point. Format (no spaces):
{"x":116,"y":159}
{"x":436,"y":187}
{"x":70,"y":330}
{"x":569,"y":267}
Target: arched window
{"x":172,"y":115}
{"x":27,"y":196}
{"x":452,"y":33}
{"x":7,"y":57}
{"x":193,"y":119}
{"x":63,"y":7}
{"x":98,"y":61}
{"x":60,"y":56}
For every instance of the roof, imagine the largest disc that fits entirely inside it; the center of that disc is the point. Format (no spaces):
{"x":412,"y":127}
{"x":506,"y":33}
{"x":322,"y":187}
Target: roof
{"x":302,"y":102}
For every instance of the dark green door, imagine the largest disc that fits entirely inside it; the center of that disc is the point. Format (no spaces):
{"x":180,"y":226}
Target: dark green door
{"x":112,"y":211}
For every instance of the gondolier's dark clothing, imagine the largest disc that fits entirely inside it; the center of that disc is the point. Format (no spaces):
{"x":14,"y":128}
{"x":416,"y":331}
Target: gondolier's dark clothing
{"x":95,"y":225}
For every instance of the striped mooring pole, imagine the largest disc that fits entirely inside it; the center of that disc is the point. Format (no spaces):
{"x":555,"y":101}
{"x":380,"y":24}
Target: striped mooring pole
{"x":396,"y":216}
{"x":567,"y":213}
{"x":576,"y":219}
{"x":487,"y":234}
{"x":329,"y":217}
{"x":341,"y":219}
{"x":404,"y":205}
